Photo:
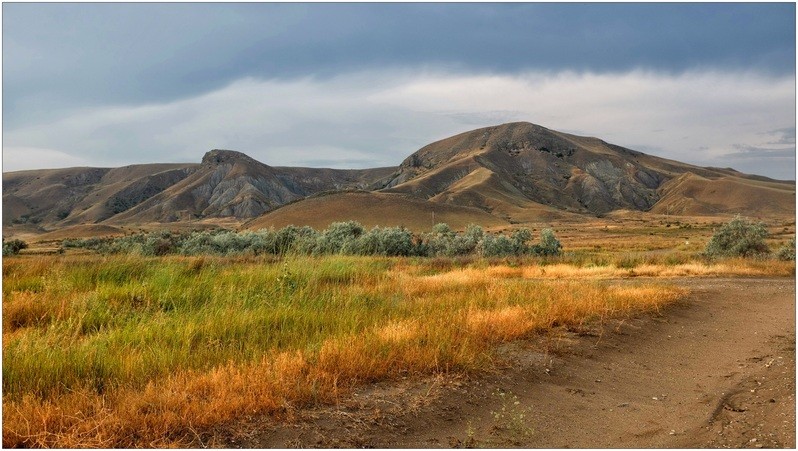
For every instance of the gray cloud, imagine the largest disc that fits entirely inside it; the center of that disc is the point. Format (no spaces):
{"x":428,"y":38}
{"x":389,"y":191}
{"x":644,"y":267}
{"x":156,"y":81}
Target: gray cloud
{"x":782,"y":135}
{"x":366,"y":84}
{"x":60,"y":56}
{"x":746,"y":151}
{"x":487,"y":117}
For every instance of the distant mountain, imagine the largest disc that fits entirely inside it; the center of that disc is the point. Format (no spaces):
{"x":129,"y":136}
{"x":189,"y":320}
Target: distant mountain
{"x":519,"y":170}
{"x":511,"y":173}
{"x":227,"y":184}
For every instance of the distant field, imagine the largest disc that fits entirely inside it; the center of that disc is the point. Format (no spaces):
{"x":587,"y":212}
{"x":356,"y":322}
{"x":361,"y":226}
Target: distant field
{"x":131,"y":351}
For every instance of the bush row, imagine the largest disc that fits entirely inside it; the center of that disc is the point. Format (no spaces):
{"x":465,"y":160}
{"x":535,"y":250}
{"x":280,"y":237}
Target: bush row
{"x":12,"y":247}
{"x":339,"y":238}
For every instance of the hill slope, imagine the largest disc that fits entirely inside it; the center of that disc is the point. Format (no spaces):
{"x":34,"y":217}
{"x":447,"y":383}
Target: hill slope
{"x":373,"y":209}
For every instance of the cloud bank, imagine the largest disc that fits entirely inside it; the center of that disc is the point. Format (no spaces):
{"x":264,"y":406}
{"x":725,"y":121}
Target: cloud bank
{"x":744,"y":120}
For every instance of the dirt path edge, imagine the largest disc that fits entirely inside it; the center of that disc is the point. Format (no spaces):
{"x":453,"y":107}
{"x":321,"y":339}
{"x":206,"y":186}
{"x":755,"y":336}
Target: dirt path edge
{"x":714,"y":370}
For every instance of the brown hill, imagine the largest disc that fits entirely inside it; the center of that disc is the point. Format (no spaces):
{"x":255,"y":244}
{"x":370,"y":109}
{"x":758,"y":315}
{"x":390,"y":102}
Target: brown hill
{"x":226,"y":184}
{"x":231,"y":184}
{"x":61,"y":197}
{"x":693,"y":195}
{"x":522,"y":171}
{"x":373,"y":209}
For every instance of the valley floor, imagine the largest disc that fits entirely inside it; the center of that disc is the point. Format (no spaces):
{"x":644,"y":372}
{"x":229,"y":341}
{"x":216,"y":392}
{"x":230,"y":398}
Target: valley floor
{"x":714,"y":370}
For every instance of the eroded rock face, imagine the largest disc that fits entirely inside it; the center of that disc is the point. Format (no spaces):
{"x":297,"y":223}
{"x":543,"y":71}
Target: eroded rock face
{"x":145,"y":188}
{"x":547,"y":167}
{"x":235,"y":185}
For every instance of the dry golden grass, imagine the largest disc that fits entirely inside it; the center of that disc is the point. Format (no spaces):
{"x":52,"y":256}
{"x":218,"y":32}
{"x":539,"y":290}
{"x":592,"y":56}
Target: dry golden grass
{"x":474,"y":275}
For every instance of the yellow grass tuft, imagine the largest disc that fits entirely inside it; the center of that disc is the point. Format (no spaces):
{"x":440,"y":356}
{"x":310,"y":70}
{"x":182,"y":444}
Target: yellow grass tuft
{"x":500,"y":325}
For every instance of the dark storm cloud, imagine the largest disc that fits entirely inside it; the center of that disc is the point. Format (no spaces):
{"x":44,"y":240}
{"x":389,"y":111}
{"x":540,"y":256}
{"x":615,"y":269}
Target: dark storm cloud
{"x":57,"y":55}
{"x":365,"y":84}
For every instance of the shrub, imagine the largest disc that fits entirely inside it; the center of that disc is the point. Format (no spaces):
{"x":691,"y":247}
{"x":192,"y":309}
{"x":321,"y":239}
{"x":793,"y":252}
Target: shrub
{"x":159,"y":243}
{"x":439,"y":241}
{"x":738,"y":238}
{"x":389,"y":241}
{"x":395,"y":241}
{"x":549,"y":244}
{"x":466,"y":243}
{"x":496,"y":246}
{"x":305,"y":240}
{"x":13,"y":247}
{"x":442,"y":229}
{"x":284,"y":239}
{"x":520,"y":239}
{"x":339,"y":238}
{"x":787,"y":252}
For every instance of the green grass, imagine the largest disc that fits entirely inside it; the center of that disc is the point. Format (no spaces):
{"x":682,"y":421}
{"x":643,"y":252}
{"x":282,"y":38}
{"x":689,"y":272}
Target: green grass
{"x":132,"y":320}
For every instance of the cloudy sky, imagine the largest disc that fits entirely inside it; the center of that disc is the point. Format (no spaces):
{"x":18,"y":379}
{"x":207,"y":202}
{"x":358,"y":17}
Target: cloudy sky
{"x":365,"y":85}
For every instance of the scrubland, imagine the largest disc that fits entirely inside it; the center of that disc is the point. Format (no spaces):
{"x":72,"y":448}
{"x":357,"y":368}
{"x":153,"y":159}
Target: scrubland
{"x":129,"y":350}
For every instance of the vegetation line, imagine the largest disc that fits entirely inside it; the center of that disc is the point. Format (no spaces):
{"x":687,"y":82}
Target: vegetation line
{"x":348,"y":238}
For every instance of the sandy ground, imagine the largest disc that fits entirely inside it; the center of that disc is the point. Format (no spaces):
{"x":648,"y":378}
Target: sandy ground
{"x":715,"y":370}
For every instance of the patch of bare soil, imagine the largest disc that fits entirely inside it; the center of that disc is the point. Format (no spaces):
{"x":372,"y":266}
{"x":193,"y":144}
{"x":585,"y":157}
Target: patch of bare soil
{"x":716,"y":370}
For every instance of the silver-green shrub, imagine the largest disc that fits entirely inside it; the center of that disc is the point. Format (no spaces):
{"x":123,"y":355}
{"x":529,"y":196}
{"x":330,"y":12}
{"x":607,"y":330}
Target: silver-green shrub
{"x":339,"y":237}
{"x":549,"y":244}
{"x":787,"y":252}
{"x":497,"y":246}
{"x":738,"y":238}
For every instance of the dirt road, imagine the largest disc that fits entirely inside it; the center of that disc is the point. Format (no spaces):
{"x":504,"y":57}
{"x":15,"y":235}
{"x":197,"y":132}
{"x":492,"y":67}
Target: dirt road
{"x":716,"y":370}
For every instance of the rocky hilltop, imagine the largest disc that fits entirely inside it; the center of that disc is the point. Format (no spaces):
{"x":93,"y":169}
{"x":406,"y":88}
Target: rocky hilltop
{"x":520,"y":168}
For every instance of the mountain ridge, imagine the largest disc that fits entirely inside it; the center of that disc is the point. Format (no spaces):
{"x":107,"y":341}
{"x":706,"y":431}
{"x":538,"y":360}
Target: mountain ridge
{"x":518,"y":172}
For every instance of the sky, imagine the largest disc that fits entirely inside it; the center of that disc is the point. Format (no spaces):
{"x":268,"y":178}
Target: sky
{"x":357,"y":85}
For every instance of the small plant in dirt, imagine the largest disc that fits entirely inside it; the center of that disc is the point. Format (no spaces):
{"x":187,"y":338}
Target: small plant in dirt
{"x":511,"y":417}
{"x":12,"y":247}
{"x":738,"y":238}
{"x":470,"y":441}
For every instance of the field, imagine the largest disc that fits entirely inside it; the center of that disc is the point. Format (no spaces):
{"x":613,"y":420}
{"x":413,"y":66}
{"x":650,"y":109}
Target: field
{"x":124,"y":351}
{"x":131,"y":351}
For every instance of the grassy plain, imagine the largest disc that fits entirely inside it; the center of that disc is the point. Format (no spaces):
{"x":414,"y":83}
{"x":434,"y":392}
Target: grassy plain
{"x":130,"y":351}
